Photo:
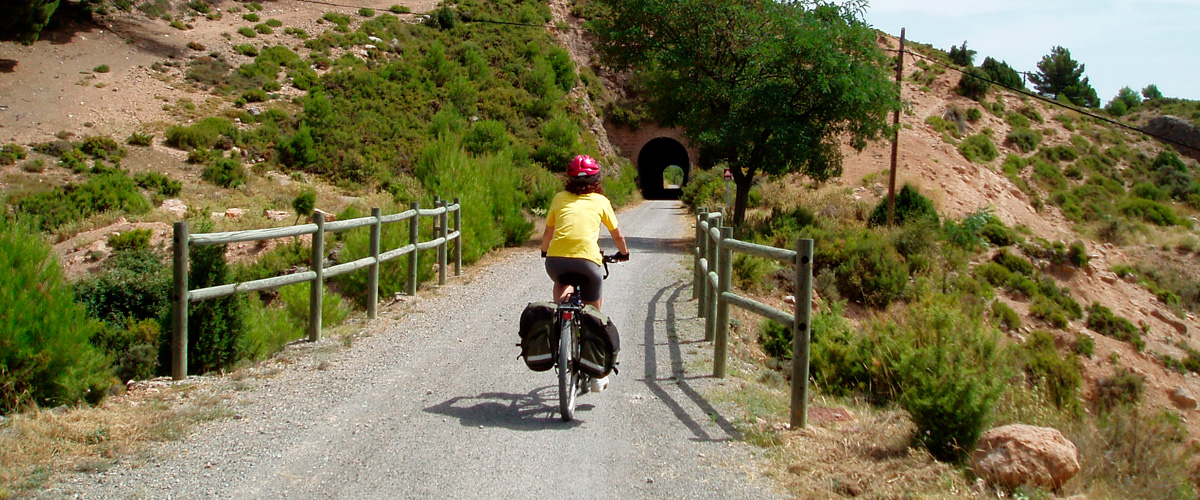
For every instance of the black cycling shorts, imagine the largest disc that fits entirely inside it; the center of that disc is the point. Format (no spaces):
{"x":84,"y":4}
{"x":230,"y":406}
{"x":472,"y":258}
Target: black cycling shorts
{"x":589,"y":277}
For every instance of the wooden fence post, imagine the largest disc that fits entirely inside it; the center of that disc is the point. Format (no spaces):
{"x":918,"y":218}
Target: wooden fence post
{"x":696,"y":257}
{"x":316,"y":291}
{"x":443,"y":249}
{"x":373,"y":271}
{"x":801,"y":332}
{"x":458,"y":242}
{"x":710,"y":291}
{"x":724,"y":277}
{"x":702,"y":272}
{"x":179,"y":296}
{"x":413,"y":235}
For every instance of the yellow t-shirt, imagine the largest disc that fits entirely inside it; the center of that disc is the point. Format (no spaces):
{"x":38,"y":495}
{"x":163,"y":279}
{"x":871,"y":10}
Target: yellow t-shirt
{"x":576,"y":220}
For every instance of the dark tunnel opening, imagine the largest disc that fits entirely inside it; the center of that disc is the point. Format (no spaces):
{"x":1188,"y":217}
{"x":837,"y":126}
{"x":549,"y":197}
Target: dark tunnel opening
{"x":653,"y":161}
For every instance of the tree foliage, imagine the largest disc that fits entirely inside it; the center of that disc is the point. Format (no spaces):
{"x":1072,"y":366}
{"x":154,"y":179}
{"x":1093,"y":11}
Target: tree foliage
{"x":24,"y":19}
{"x":1060,"y":75}
{"x":1000,"y":72}
{"x":962,"y":56}
{"x":764,"y":86}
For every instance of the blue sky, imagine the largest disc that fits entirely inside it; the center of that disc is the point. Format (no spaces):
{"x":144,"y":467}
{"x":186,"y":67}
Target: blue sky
{"x":1121,"y":43}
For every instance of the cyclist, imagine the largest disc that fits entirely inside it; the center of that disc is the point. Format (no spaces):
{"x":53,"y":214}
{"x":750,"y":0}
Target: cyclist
{"x":571,"y":241}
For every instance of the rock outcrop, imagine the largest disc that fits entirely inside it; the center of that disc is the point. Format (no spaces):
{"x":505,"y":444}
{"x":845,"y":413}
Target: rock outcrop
{"x":1178,"y":130}
{"x":1015,"y":455}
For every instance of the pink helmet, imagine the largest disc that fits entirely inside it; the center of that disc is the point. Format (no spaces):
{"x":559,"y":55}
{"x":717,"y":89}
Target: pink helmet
{"x":583,"y":166}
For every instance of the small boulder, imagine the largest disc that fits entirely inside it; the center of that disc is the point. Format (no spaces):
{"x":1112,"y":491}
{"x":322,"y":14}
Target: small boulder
{"x":1183,"y":398}
{"x":234,"y":213}
{"x":276,"y":214}
{"x":328,"y":216}
{"x":175,"y":207}
{"x":1015,"y":455}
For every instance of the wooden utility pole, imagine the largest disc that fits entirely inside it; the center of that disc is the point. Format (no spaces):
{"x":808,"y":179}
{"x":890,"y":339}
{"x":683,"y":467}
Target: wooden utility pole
{"x":891,"y":214}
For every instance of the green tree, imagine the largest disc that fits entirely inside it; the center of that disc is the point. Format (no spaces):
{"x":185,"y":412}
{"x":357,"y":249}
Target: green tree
{"x":1151,"y":92}
{"x":1125,"y":100}
{"x":1060,"y":75}
{"x":304,"y":203}
{"x":765,"y":86}
{"x":24,"y":19}
{"x":962,"y":56}
{"x":1000,"y":72}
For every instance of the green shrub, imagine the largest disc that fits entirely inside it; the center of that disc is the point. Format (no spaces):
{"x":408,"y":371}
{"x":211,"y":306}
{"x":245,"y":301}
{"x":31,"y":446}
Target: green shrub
{"x":246,"y":49}
{"x":108,"y":191}
{"x":255,"y":95}
{"x":202,"y":156}
{"x":911,"y":206}
{"x":968,"y":233}
{"x":399,"y":9}
{"x":225,"y":172}
{"x":365,"y":12}
{"x":1008,"y":318}
{"x":133,"y":284}
{"x":486,"y":136}
{"x":749,"y":272}
{"x":776,"y":339}
{"x":295,"y":299}
{"x":559,"y":144}
{"x":103,"y":68}
{"x":1014,"y":263}
{"x":974,"y":114}
{"x":1149,"y":211}
{"x":1077,"y":254}
{"x":871,"y":271}
{"x":706,"y":188}
{"x":267,"y":330}
{"x":974,"y":84}
{"x":1123,"y":388}
{"x":11,"y":152}
{"x":140,"y":139}
{"x":34,"y":166}
{"x":263,"y":29}
{"x":1049,"y":176}
{"x":252,"y":17}
{"x":1045,"y":308}
{"x":161,"y":183}
{"x":1024,"y":139}
{"x":978,"y":148}
{"x":274,"y":23}
{"x":101,"y":146}
{"x":1084,"y":345}
{"x":1059,"y":153}
{"x":199,"y":6}
{"x":215,"y":326}
{"x":135,"y":239}
{"x":75,"y":160}
{"x":1017,"y":120}
{"x":203,"y":134}
{"x":46,"y":354}
{"x":1046,"y":368}
{"x":247,"y":32}
{"x":1104,"y":321}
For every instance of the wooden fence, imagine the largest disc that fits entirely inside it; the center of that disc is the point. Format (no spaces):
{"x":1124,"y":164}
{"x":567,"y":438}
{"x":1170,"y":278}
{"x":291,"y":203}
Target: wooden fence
{"x":316,"y":274}
{"x":713,"y":273}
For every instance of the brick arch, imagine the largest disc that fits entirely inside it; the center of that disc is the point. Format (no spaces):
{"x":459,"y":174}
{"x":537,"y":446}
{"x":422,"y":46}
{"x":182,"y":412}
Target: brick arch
{"x":651,"y":148}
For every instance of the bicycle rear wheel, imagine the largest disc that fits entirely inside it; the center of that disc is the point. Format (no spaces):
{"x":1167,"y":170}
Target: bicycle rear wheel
{"x":568,"y":376}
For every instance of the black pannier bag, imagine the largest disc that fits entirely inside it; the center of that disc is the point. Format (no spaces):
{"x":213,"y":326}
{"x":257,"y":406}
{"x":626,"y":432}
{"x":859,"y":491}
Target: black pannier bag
{"x":538,"y":338}
{"x":599,"y":343}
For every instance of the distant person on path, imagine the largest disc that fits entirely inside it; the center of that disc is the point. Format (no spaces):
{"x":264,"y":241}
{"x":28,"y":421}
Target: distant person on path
{"x":571,"y":242}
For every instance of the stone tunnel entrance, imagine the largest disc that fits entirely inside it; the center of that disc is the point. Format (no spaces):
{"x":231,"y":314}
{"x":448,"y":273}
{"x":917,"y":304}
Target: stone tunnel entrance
{"x":654,"y":160}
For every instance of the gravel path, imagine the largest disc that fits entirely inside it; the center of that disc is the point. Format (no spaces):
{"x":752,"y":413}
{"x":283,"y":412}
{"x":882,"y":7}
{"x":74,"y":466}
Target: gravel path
{"x":435,"y":404}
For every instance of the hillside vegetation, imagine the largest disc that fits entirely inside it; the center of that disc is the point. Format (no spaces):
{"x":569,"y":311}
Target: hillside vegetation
{"x":384,"y":110}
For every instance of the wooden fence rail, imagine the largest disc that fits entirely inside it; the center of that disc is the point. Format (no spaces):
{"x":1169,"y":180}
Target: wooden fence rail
{"x":317,"y":272}
{"x":711,"y":285}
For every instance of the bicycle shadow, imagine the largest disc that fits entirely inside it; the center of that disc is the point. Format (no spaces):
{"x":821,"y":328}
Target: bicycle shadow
{"x":519,"y":412}
{"x":677,"y":377}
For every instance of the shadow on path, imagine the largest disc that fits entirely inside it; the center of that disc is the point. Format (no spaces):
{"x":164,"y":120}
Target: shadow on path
{"x":520,"y":412}
{"x":677,"y":378}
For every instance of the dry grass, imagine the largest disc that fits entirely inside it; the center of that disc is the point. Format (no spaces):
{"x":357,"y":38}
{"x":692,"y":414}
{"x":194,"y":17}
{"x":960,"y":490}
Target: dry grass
{"x":36,"y":444}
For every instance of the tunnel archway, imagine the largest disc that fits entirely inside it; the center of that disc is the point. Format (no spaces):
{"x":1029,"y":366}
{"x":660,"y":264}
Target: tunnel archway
{"x":654,"y":159}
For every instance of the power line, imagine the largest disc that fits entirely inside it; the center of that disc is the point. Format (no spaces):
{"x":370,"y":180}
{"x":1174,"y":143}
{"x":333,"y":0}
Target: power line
{"x":465,"y":20}
{"x":1051,"y":101}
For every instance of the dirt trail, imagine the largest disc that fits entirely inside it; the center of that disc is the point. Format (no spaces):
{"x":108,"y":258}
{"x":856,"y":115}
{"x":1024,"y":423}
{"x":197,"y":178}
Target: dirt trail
{"x":435,"y":404}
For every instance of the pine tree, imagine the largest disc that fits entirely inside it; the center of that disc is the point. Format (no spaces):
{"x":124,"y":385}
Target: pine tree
{"x":1060,"y":75}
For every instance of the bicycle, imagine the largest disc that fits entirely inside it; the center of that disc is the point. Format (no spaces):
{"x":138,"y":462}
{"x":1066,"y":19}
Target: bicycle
{"x":571,"y":383}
